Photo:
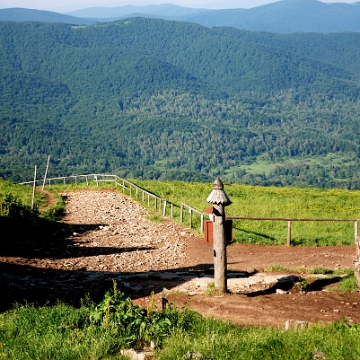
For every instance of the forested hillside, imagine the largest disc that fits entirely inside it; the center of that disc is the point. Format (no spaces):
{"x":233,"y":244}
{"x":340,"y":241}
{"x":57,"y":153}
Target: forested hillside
{"x":159,"y":99}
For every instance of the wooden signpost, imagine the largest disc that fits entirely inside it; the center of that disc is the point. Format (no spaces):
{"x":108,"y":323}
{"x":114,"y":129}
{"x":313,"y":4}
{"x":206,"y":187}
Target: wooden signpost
{"x":219,"y":199}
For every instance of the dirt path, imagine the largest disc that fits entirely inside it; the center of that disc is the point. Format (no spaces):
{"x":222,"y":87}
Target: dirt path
{"x":111,"y":238}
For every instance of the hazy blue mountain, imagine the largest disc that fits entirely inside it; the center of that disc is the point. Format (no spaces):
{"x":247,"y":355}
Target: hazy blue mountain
{"x":164,"y":10}
{"x":20,"y":15}
{"x":286,"y":16}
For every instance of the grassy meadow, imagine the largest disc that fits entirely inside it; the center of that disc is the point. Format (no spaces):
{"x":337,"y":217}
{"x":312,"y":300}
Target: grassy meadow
{"x":257,"y":201}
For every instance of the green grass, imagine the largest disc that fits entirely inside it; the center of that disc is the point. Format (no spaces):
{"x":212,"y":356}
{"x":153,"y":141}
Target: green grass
{"x":218,"y":340}
{"x":256,"y":201}
{"x":155,"y":218}
{"x":23,"y":194}
{"x":348,"y":284}
{"x":94,"y":331}
{"x":100,"y":331}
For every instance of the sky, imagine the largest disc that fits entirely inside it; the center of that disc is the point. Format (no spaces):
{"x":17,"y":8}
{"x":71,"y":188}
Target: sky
{"x":70,"y":5}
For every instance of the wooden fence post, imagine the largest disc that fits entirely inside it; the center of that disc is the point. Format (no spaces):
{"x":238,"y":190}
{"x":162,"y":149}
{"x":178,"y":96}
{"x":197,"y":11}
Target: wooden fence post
{"x":164,"y":210}
{"x":356,"y":229}
{"x":357,"y":259}
{"x":181,"y":212}
{"x":202,"y":224}
{"x":87,"y":181}
{"x":190,"y":217}
{"x":172,"y":211}
{"x":46,"y":172}
{"x":33,"y":192}
{"x":289,"y":234}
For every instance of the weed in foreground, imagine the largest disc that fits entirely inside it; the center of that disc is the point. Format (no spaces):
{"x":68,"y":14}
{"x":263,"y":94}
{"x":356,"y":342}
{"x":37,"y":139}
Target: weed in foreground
{"x":94,"y":331}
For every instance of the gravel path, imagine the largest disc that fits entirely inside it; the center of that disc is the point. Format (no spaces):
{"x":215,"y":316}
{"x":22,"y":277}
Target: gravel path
{"x":116,"y":226}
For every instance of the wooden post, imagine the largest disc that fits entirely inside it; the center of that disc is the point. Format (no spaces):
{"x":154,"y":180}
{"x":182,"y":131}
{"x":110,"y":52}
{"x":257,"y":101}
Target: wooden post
{"x":130,"y":190}
{"x":181,"y":213}
{"x":96,"y":180}
{"x":34,"y":187}
{"x":357,"y":258}
{"x":190,"y":217}
{"x":87,"y":182}
{"x":155,"y":202}
{"x":219,"y":199}
{"x":172,"y":211}
{"x":356,"y":229}
{"x":164,"y":210}
{"x":143,"y":196}
{"x":148,"y":200}
{"x":220,"y":275}
{"x":289,"y":234}
{"x":46,"y":171}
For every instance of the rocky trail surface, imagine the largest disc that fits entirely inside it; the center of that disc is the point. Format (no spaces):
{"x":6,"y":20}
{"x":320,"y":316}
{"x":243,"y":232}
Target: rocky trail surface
{"x":113,"y":238}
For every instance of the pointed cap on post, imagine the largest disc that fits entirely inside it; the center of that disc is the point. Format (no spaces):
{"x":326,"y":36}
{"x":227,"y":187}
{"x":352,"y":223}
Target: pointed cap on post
{"x":218,"y":195}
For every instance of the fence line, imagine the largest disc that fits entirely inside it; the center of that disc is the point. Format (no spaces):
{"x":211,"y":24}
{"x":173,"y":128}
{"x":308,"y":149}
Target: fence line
{"x":161,"y":204}
{"x":290,"y":220}
{"x":191,"y":212}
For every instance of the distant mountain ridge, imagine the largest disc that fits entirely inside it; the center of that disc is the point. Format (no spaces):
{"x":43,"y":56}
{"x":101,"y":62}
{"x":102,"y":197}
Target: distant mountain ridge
{"x":173,"y":100}
{"x":21,"y":15}
{"x":286,"y":16}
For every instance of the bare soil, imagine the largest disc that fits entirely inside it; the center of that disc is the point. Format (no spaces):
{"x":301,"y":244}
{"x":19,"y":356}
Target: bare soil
{"x":106,"y":236}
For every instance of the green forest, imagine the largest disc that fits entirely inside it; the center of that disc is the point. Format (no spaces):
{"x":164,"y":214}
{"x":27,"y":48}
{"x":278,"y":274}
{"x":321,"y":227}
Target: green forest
{"x":155,"y":99}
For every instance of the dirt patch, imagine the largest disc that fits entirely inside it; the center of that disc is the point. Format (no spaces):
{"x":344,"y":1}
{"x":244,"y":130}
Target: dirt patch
{"x":50,"y":200}
{"x":108,"y":236}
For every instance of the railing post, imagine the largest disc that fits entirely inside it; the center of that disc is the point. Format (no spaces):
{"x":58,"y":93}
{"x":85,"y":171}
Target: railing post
{"x":143,"y":196}
{"x":34,"y":187}
{"x":172,"y":211}
{"x":289,"y":234}
{"x":155,"y":202}
{"x":181,"y":212}
{"x":130,"y":190}
{"x":148,"y":200}
{"x":87,"y":182}
{"x":190,"y":216}
{"x":164,"y":210}
{"x":356,"y":229}
{"x":96,"y":180}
